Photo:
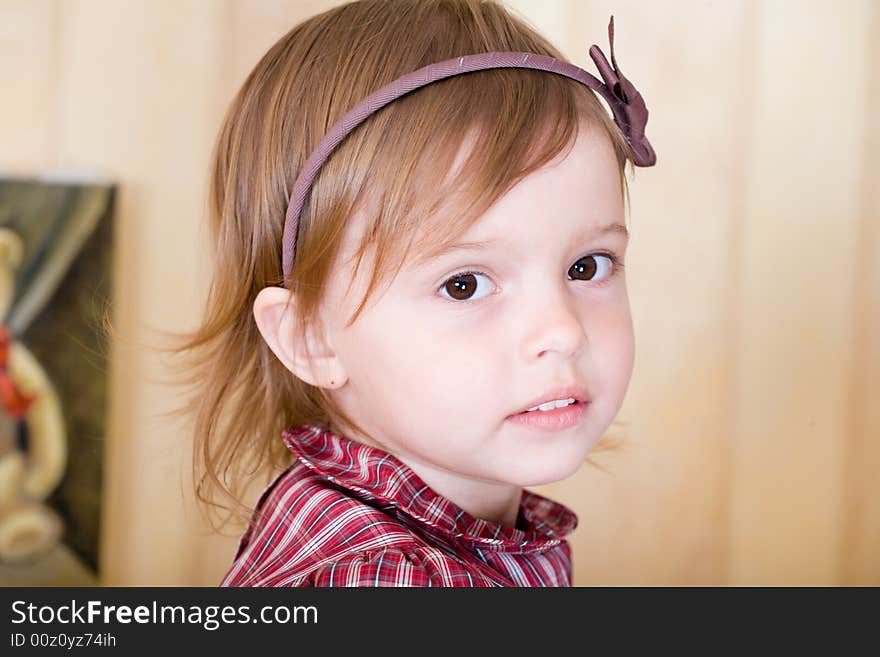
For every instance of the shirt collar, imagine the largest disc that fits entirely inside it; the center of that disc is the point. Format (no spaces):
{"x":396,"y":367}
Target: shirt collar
{"x":372,"y":472}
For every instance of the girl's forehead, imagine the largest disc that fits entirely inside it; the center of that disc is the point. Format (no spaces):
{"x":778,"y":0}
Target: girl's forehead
{"x":583,"y":181}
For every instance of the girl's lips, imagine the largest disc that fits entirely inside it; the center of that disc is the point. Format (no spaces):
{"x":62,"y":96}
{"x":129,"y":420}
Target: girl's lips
{"x":572,"y":391}
{"x":560,"y":418}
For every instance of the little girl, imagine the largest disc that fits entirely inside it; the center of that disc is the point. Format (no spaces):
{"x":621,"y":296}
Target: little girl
{"x":420,"y":308}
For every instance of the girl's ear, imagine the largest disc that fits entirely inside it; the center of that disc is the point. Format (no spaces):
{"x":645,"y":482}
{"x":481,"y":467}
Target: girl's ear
{"x":314,"y":361}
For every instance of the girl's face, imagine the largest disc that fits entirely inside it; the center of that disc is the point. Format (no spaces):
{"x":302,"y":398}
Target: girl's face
{"x":438,"y":362}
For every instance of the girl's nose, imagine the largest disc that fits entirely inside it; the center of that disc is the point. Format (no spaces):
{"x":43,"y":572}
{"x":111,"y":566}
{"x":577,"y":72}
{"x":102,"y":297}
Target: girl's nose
{"x":552,"y":324}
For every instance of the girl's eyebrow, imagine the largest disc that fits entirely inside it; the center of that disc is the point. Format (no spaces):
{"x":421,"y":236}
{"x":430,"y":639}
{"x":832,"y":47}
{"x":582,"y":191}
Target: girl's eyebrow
{"x":486,"y":244}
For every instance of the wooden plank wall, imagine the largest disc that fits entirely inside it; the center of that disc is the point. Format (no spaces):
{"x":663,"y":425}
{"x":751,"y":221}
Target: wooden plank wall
{"x":752,"y":428}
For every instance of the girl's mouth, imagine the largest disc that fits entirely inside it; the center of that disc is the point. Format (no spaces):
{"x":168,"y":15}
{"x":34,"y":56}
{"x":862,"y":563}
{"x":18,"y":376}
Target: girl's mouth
{"x":552,"y":420}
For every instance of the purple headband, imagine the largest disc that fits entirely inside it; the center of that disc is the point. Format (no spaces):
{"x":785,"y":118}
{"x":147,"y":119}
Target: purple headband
{"x":630,"y":113}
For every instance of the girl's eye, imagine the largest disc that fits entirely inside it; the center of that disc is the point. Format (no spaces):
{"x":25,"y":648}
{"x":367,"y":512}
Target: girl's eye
{"x":585,"y":269}
{"x":461,"y":287}
{"x":598,"y":267}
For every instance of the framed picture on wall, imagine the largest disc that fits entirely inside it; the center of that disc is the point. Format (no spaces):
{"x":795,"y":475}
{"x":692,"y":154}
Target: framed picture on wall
{"x":55,"y":293}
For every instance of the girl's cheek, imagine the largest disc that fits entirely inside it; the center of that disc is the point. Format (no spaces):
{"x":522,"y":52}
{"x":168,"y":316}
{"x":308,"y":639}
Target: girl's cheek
{"x":448,"y":316}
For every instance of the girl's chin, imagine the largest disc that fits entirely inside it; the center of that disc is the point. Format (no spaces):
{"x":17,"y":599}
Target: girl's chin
{"x":546,"y":473}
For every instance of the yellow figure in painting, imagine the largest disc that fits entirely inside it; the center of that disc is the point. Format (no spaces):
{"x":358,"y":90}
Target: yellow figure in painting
{"x":33,"y":442}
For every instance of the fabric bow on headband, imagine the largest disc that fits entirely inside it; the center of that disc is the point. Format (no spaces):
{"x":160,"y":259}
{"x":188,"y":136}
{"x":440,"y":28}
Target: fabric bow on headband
{"x":626,"y":102}
{"x":627,"y":105}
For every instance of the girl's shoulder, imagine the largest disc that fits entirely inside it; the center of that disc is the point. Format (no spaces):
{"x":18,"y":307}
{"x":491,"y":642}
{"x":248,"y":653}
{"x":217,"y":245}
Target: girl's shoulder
{"x":307,"y":531}
{"x":412,"y":565}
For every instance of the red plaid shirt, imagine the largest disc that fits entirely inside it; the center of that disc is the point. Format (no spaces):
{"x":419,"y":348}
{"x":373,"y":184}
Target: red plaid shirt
{"x":348,"y":514}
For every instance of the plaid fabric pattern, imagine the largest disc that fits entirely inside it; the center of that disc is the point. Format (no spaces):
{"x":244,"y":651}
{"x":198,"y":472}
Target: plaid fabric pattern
{"x":349,"y":514}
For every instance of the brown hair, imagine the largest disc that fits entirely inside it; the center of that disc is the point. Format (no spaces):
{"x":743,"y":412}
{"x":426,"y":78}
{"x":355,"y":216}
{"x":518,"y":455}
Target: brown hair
{"x":393,"y":167}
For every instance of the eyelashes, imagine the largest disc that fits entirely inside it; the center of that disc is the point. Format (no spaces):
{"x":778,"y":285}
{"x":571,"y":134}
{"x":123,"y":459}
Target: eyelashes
{"x":460,"y":287}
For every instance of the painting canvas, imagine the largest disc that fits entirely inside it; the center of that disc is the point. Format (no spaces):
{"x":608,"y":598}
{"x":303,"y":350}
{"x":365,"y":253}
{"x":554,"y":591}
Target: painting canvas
{"x":55,"y":291}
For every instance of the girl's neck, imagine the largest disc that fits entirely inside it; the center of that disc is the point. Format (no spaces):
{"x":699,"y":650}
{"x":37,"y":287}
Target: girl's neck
{"x":491,"y":501}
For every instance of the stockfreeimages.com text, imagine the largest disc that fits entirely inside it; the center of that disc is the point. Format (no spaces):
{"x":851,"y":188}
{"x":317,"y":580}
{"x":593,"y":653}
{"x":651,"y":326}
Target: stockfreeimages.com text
{"x":209,"y":616}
